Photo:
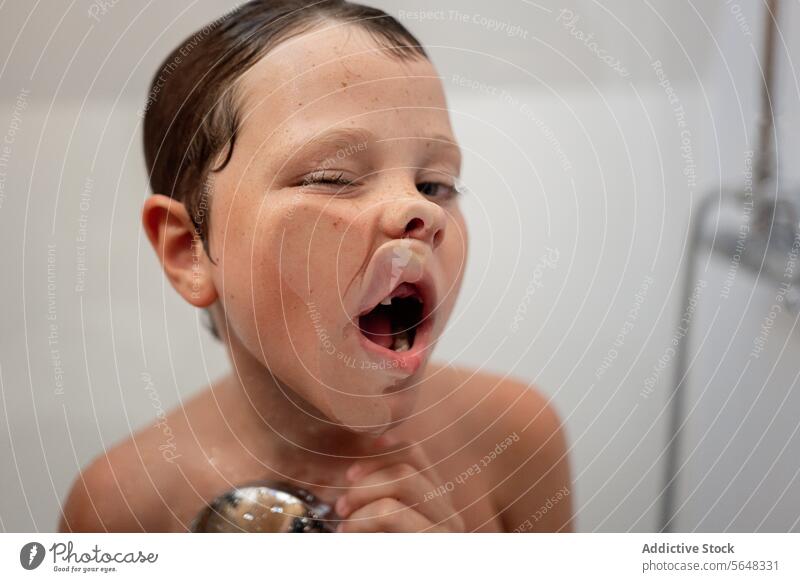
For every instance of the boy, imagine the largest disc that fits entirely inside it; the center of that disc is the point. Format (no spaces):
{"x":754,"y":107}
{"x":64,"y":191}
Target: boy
{"x":304,"y":170}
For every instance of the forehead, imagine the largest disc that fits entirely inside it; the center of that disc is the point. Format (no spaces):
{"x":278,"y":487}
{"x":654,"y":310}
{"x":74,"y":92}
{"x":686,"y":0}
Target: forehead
{"x":337,"y":75}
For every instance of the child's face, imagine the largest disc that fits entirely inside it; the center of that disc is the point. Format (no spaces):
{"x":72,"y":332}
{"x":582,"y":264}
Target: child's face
{"x":301,"y":265}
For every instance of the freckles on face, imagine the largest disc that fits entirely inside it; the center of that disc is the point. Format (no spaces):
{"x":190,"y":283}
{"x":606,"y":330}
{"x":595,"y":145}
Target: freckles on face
{"x":316,"y":247}
{"x":299,"y":259}
{"x":304,"y":279}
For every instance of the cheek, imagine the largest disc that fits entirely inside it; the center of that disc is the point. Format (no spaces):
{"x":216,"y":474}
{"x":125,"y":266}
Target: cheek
{"x":285,"y":280}
{"x":454,"y":253}
{"x":301,"y":242}
{"x":317,"y":250}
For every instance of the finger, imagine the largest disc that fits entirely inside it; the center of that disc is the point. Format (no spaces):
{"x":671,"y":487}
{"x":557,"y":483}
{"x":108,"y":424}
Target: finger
{"x":401,"y":482}
{"x":385,"y":515}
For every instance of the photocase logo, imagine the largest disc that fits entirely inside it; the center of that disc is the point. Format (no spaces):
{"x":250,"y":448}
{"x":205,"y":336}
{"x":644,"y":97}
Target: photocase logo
{"x":31,"y":555}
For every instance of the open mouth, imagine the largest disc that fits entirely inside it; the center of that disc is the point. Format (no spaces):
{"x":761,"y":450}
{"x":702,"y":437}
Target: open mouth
{"x":393,"y":323}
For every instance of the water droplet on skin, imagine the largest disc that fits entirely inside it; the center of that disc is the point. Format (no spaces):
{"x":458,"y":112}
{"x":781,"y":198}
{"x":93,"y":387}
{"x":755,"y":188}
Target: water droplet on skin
{"x":248,"y":516}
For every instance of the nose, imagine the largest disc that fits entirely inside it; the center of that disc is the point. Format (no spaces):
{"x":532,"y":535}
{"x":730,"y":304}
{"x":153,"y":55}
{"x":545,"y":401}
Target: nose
{"x":415,"y":218}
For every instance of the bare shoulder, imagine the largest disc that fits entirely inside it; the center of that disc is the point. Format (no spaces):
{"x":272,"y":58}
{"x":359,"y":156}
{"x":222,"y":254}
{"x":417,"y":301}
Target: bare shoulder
{"x":494,"y":404}
{"x":132,"y":486}
{"x":100,"y":499}
{"x":519,"y":438}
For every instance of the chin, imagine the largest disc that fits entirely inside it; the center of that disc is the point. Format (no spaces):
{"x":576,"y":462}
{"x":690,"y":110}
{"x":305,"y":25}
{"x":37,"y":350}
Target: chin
{"x":376,"y":414}
{"x":402,"y":404}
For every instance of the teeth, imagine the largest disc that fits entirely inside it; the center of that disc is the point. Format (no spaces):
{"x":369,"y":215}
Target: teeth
{"x":387,"y":301}
{"x":401,"y":343}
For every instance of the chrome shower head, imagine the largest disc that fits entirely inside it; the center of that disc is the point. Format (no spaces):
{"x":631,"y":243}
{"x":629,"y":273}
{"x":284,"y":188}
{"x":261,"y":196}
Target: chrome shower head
{"x":266,"y":506}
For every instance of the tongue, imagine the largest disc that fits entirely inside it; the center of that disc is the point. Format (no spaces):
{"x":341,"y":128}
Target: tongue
{"x":377,"y":327}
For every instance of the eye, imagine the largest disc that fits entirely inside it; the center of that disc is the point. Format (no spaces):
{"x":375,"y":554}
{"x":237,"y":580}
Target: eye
{"x":437,"y":190}
{"x":333,"y":178}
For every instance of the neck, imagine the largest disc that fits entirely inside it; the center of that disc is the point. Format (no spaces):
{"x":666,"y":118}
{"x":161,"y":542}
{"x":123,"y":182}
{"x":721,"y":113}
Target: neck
{"x":291,"y":436}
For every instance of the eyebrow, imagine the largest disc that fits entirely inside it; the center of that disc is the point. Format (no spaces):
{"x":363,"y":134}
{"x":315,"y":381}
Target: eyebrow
{"x":344,"y":139}
{"x":341,"y":138}
{"x":437,"y":141}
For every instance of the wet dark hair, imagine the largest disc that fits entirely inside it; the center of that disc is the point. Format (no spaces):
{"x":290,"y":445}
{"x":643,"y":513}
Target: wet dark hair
{"x":191,"y":115}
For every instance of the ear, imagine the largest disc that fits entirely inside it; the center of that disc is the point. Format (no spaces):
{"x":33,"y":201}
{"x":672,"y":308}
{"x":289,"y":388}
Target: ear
{"x":179,"y":248}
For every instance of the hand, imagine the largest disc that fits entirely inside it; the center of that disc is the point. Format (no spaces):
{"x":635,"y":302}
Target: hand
{"x":388,"y":494}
